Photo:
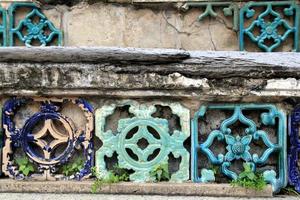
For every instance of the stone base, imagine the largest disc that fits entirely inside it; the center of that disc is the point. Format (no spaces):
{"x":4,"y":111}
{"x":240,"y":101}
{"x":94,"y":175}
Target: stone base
{"x":184,"y":189}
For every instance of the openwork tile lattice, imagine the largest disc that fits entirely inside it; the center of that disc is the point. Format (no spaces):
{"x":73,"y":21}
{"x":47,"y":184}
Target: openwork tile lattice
{"x":243,"y":138}
{"x":34,"y":29}
{"x":294,"y":150}
{"x":48,"y":138}
{"x":228,"y":8}
{"x":3,"y":27}
{"x":274,"y":27}
{"x":143,"y":126}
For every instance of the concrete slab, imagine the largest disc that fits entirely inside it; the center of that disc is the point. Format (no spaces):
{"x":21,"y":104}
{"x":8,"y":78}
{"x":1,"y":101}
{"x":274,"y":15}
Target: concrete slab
{"x":18,"y":196}
{"x":168,"y":189}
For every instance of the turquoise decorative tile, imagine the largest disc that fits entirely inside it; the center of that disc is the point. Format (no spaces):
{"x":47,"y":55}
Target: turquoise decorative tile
{"x":245,"y":138}
{"x":40,"y":32}
{"x":142,"y":126}
{"x":228,"y":8}
{"x":3,"y":27}
{"x":270,"y":22}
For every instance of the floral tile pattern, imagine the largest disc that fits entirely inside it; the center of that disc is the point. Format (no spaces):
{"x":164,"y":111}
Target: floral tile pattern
{"x":238,"y":143}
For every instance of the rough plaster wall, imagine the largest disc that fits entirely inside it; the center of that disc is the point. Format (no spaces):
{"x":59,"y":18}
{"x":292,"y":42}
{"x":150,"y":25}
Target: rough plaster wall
{"x":106,"y":24}
{"x":147,"y":26}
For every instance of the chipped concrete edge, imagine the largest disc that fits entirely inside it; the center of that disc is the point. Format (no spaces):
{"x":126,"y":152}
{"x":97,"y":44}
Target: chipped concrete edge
{"x":180,"y":189}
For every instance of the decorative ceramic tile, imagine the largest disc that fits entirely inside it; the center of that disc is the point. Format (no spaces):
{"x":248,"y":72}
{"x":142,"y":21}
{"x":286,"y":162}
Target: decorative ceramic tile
{"x":153,"y":131}
{"x":274,"y":27}
{"x":44,"y":139}
{"x":39,"y":31}
{"x":3,"y":27}
{"x":294,"y":150}
{"x":241,"y":138}
{"x":229,"y":9}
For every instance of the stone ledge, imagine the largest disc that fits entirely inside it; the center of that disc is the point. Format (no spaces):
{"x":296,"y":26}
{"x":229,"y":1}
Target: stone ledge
{"x":184,"y":189}
{"x":201,"y":60}
{"x":91,"y":55}
{"x":150,"y":55}
{"x":139,"y":73}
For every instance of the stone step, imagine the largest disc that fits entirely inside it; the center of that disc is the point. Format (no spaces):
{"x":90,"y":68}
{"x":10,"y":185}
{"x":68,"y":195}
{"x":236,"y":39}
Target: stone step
{"x":169,"y":189}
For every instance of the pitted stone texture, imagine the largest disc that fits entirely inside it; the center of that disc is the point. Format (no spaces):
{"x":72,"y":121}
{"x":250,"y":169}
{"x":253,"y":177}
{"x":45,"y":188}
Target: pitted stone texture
{"x":132,"y":72}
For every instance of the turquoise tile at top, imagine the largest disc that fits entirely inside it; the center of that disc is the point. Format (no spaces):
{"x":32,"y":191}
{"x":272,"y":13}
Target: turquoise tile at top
{"x":269,"y":30}
{"x":238,"y":147}
{"x":228,"y":8}
{"x":3,"y":27}
{"x":142,"y":121}
{"x":42,"y":31}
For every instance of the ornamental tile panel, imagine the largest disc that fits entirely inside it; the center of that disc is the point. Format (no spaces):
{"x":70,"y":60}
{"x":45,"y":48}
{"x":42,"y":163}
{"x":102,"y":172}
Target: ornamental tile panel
{"x":3,"y":27}
{"x":154,"y":131}
{"x":269,"y":24}
{"x":34,"y":29}
{"x":226,"y":136}
{"x":294,"y":149}
{"x":43,"y":136}
{"x":229,"y":9}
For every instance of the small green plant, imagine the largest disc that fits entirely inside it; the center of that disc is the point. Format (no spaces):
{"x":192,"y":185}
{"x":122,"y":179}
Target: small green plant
{"x":290,"y":191}
{"x":121,"y":173}
{"x":215,"y":169}
{"x":73,"y":167}
{"x":248,"y":179}
{"x":115,"y":175}
{"x":25,"y":166}
{"x":160,"y":173}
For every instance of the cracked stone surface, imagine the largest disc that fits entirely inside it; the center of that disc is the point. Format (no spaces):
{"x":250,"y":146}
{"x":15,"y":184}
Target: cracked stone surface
{"x":141,"y":26}
{"x":138,"y":23}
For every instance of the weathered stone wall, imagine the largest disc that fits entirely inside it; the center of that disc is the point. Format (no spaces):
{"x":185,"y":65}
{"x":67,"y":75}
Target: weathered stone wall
{"x":155,"y":83}
{"x":107,"y":76}
{"x":106,"y":24}
{"x":144,"y":25}
{"x":195,"y":25}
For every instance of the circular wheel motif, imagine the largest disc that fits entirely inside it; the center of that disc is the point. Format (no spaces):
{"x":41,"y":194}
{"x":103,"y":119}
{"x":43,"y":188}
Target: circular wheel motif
{"x":52,"y":143}
{"x":154,"y":137}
